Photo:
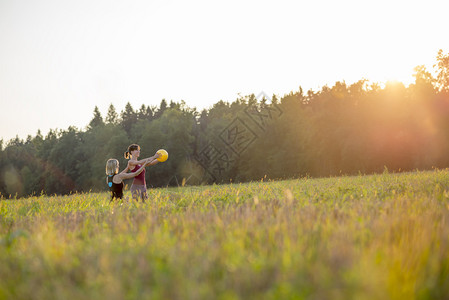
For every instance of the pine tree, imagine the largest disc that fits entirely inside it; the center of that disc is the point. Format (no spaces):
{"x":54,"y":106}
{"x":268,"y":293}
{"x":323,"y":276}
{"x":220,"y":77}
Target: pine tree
{"x":128,"y":117}
{"x":112,"y":116}
{"x":162,"y":108}
{"x":97,"y":120}
{"x":145,"y":113}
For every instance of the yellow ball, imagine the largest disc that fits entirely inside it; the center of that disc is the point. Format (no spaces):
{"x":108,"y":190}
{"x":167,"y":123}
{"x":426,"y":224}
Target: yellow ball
{"x":163,"y":155}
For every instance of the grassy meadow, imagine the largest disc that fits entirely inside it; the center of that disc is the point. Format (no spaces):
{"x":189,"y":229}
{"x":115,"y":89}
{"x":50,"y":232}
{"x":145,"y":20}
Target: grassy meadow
{"x":381,"y":236}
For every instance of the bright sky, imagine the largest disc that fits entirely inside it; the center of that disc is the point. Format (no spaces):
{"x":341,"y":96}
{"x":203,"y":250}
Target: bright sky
{"x":58,"y":59}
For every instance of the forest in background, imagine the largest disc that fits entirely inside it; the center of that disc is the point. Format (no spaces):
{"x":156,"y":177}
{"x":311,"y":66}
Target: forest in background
{"x":344,"y":129}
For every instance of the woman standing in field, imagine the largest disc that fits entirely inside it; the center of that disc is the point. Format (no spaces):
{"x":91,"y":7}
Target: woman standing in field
{"x":139,"y":186}
{"x":115,"y":179}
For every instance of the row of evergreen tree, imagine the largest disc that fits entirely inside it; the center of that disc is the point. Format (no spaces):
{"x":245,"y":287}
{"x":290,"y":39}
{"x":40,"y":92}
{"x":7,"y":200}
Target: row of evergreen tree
{"x":344,"y":129}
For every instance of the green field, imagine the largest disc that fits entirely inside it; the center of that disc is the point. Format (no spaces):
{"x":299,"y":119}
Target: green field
{"x":383,"y":236}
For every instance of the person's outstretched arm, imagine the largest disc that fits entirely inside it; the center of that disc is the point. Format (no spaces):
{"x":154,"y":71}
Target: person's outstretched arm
{"x":152,"y":162}
{"x":122,"y":176}
{"x":133,"y":164}
{"x":125,"y":170}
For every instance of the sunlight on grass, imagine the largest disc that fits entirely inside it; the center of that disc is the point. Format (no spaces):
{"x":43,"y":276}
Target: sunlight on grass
{"x":364,"y":237}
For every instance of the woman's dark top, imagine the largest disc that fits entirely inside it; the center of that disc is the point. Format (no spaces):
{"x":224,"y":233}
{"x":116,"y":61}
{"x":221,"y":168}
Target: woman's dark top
{"x":115,"y":188}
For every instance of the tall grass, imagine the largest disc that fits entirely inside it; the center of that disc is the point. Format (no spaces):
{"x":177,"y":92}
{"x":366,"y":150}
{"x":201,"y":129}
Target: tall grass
{"x":366,"y":237}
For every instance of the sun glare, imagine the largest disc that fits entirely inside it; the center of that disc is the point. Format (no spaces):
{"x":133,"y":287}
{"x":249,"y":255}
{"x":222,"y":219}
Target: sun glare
{"x":393,"y":77}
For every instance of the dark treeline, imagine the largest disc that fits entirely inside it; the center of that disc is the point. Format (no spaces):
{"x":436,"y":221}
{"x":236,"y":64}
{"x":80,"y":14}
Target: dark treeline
{"x":344,"y":129}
